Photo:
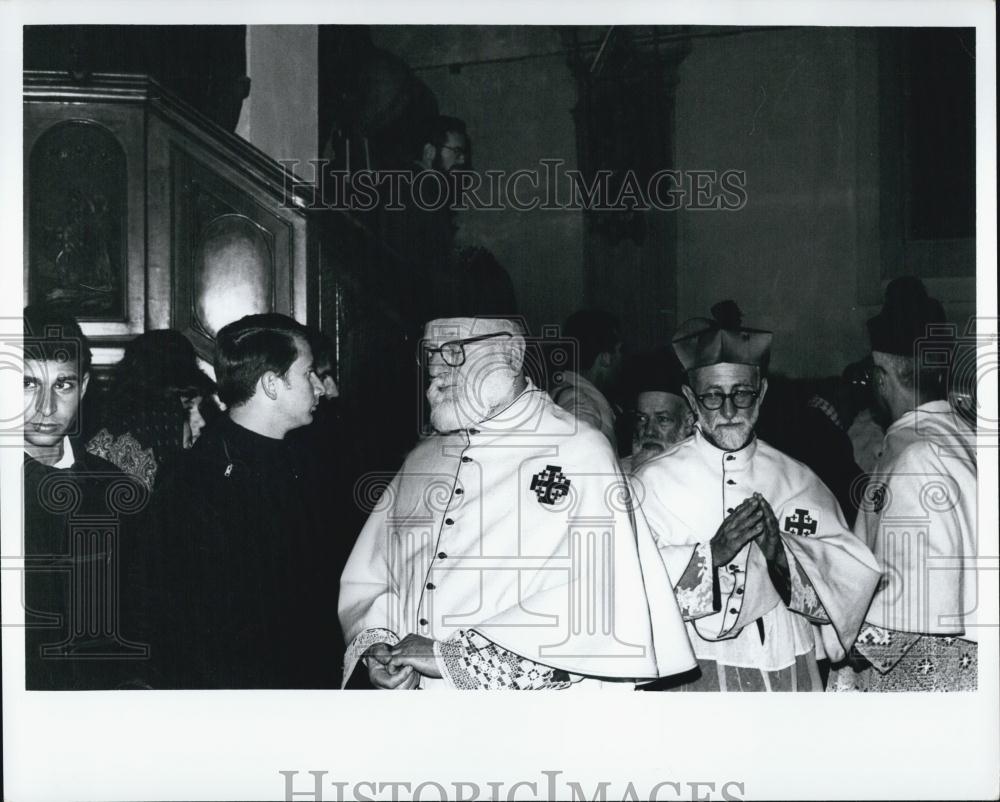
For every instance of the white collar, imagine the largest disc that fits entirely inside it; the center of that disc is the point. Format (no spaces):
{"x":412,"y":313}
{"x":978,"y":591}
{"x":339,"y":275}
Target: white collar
{"x":520,"y":414}
{"x":68,"y":458}
{"x":907,"y":419}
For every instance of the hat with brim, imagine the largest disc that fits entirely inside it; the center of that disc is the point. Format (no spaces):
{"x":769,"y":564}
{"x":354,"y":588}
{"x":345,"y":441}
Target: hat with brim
{"x":907,"y":316}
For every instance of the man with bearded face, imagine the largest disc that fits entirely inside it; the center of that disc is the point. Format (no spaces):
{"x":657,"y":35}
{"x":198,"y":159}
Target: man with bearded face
{"x":769,"y":577}
{"x":503,"y":554}
{"x":662,"y":415}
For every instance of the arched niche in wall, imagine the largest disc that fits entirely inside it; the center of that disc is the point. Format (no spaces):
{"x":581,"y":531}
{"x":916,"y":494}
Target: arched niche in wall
{"x":77,"y":220}
{"x":232,"y":257}
{"x":233,"y":273}
{"x":154,"y":217}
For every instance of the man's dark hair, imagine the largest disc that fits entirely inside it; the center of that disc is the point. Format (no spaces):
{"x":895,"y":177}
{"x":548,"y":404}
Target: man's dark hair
{"x":443,"y":125}
{"x":52,"y":335}
{"x":595,"y":331}
{"x":250,"y":347}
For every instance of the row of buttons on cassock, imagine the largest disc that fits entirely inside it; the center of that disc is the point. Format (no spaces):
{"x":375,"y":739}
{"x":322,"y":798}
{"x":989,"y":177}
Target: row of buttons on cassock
{"x":448,"y":522}
{"x":734,"y":568}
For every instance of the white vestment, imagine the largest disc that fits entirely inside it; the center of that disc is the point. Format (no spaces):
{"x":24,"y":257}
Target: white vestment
{"x":687,"y":492}
{"x":918,"y":515}
{"x":520,"y":530}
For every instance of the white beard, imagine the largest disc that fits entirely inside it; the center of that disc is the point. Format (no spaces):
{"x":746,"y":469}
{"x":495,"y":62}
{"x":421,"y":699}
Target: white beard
{"x":463,"y":407}
{"x":444,"y":415}
{"x":731,"y":439}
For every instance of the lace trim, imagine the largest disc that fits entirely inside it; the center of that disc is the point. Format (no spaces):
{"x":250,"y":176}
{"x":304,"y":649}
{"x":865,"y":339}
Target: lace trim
{"x":468,"y":661}
{"x":360,"y":644}
{"x":694,"y":589}
{"x":804,"y":599}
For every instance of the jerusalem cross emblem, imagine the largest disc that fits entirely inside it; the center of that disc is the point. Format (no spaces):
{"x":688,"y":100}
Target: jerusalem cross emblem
{"x":550,"y":485}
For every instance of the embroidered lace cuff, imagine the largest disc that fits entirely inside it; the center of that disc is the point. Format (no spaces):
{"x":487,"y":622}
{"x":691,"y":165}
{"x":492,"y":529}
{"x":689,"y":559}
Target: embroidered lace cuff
{"x":360,"y":644}
{"x":694,"y":589}
{"x":469,"y":661}
{"x":804,"y":599}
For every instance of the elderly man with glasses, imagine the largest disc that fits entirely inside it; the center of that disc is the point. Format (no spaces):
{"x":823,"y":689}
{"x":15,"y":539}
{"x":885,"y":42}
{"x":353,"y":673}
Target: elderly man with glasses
{"x":768,"y":575}
{"x":503,"y":554}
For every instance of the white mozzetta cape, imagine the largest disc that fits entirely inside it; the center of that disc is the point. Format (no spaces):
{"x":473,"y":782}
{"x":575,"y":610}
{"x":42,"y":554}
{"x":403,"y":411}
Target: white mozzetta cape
{"x":522,"y":530}
{"x":919,"y":517}
{"x":687,"y":492}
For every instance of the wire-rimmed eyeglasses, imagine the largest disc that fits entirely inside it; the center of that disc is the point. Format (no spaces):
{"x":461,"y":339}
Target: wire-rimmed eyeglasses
{"x":742,"y":399}
{"x":453,"y":352}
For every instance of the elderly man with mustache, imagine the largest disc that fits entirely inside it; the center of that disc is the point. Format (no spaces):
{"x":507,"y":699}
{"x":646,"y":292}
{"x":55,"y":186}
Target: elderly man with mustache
{"x":503,"y":554}
{"x":768,"y":573}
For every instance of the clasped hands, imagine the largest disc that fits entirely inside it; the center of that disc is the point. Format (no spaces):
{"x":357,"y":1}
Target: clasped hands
{"x":754,"y":518}
{"x":400,"y":667}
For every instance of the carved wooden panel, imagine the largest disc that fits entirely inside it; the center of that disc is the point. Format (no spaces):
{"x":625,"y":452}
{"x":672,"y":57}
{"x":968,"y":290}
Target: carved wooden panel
{"x":85,"y":222}
{"x":233,"y":272}
{"x":143,"y":215}
{"x":78,"y":219}
{"x":232,"y":256}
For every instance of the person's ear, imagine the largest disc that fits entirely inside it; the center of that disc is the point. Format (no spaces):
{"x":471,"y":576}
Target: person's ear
{"x":429,"y":152}
{"x":269,"y":384}
{"x":692,"y":401}
{"x":515,"y":353}
{"x":83,"y":385}
{"x":763,"y":391}
{"x":604,"y":359}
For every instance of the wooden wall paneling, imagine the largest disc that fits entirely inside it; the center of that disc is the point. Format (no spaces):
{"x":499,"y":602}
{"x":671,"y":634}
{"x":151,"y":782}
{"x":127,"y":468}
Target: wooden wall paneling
{"x":231,"y":257}
{"x":78,"y":225}
{"x":196,"y":196}
{"x":159,"y":235}
{"x":227,"y":207}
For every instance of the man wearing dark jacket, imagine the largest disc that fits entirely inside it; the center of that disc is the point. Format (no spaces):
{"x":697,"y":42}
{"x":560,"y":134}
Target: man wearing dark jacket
{"x":77,"y":508}
{"x":239,"y":592}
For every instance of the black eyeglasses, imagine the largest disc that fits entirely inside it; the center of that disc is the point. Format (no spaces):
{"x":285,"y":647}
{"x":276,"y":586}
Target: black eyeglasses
{"x":458,"y":151}
{"x":742,"y":399}
{"x":453,"y":352}
{"x":862,"y":379}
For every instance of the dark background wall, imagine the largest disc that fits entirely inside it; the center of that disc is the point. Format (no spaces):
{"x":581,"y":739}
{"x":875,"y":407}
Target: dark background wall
{"x":817,"y":118}
{"x":801,"y":111}
{"x":518,"y":111}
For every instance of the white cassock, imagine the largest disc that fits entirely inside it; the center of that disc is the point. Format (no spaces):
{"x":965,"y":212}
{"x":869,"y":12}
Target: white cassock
{"x":918,"y":516}
{"x":741,"y":630}
{"x":512,"y":544}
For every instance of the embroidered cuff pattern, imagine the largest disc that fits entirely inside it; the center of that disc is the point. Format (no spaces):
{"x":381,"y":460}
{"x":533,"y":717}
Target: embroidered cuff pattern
{"x":804,"y":599}
{"x":360,"y":644}
{"x":883,"y":648}
{"x":469,"y":661}
{"x":694,"y":589}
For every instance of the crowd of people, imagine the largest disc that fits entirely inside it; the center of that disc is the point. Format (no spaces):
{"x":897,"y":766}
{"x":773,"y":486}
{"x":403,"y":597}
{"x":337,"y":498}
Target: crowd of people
{"x":636,"y":523}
